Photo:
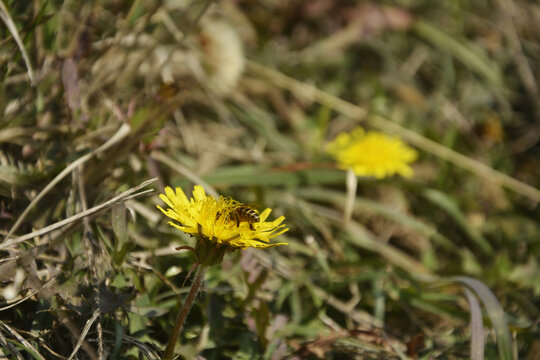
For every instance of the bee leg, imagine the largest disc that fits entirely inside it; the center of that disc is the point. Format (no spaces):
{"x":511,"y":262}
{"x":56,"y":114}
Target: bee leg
{"x":251,"y":227}
{"x":237,"y":221}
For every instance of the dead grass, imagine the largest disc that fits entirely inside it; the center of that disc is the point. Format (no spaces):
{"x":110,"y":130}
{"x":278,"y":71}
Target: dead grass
{"x":241,"y":97}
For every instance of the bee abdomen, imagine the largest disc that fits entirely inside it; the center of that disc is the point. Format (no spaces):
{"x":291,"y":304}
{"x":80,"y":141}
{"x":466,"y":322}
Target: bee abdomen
{"x":244,"y":214}
{"x":248,"y":215}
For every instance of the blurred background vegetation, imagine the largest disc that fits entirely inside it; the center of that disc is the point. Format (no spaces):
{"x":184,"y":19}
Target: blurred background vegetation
{"x":241,"y":97}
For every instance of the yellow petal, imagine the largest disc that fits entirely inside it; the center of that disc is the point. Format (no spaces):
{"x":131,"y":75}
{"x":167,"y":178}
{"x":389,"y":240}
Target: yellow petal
{"x":166,"y":200}
{"x":160,"y":208}
{"x":278,"y":221}
{"x":198,"y":193}
{"x":182,"y":198}
{"x":264,"y":215}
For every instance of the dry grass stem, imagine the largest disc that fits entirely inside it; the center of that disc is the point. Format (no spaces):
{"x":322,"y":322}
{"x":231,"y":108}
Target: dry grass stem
{"x":122,"y":132}
{"x":129,"y":194}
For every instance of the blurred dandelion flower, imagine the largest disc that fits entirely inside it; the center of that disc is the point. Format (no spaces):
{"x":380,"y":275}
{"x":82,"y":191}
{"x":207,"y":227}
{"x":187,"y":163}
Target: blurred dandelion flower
{"x":372,"y":154}
{"x":220,"y":225}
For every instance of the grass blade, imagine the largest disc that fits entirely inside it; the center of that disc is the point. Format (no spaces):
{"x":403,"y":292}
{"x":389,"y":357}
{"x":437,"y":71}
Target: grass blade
{"x":24,"y":343}
{"x":6,"y":18}
{"x":477,"y":326}
{"x":461,"y":51}
{"x":361,"y":204}
{"x":495,"y":313}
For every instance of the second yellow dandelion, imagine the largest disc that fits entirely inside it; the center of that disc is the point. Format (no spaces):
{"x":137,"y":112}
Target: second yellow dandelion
{"x":372,"y":154}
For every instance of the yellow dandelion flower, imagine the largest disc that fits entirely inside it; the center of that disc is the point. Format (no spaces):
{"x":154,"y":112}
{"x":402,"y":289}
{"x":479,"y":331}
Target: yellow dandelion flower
{"x":372,"y":154}
{"x":220,"y":225}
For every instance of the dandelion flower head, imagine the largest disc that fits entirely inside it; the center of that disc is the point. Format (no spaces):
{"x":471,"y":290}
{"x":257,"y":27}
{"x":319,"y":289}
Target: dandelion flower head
{"x":372,"y":154}
{"x":217,"y":220}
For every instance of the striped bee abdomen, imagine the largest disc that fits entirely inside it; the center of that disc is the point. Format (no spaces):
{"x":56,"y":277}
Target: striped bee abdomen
{"x":244,"y":214}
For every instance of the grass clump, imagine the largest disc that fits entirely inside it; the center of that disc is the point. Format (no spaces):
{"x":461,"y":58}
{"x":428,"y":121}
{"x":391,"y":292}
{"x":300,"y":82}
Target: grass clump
{"x":105,"y":104}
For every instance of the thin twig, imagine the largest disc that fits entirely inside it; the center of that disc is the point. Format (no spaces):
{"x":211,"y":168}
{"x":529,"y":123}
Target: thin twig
{"x":4,"y":344}
{"x":89,"y":323}
{"x":353,"y":111}
{"x":28,"y":296}
{"x":27,"y":346}
{"x":73,"y":328}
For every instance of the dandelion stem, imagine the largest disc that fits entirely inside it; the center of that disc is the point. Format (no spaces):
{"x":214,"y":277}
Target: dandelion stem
{"x":184,"y":311}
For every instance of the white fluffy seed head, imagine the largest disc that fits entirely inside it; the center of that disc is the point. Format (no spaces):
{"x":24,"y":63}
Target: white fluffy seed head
{"x":224,"y":55}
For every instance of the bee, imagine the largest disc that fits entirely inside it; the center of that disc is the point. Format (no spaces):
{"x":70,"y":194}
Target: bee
{"x":244,"y":213}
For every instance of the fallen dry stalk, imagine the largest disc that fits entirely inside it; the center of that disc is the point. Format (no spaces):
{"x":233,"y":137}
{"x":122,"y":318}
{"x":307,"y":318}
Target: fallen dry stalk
{"x":129,"y":194}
